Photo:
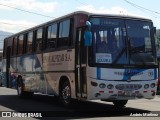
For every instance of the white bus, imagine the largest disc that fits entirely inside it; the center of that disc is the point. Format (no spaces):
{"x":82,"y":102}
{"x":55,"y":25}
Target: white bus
{"x":85,"y":56}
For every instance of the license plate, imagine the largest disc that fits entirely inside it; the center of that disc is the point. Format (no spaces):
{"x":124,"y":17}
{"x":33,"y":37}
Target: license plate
{"x":128,"y":93}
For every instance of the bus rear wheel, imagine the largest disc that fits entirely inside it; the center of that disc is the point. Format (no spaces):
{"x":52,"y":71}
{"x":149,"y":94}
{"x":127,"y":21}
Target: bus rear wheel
{"x":120,"y":103}
{"x":65,"y":94}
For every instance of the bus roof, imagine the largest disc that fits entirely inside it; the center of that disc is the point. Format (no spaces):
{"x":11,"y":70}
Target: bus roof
{"x":82,"y":12}
{"x":120,"y":16}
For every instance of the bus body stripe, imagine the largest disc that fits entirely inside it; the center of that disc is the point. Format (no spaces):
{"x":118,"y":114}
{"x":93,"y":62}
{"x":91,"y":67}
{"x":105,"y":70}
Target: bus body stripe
{"x":155,"y":73}
{"x":98,"y":73}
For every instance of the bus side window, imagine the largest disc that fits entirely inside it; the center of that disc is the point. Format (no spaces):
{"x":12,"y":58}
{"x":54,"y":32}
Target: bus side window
{"x":52,"y":36}
{"x":7,"y":43}
{"x":38,"y":42}
{"x":14,"y":48}
{"x":20,"y":44}
{"x":29,"y":46}
{"x":64,"y":33}
{"x":5,"y":48}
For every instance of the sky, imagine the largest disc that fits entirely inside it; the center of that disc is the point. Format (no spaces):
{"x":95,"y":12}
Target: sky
{"x":18,"y":15}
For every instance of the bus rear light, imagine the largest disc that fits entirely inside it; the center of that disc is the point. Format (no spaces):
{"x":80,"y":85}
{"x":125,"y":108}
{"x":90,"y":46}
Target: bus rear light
{"x":101,"y":91}
{"x":94,"y":83}
{"x":145,"y":91}
{"x":110,"y":86}
{"x":110,"y":91}
{"x":146,"y":86}
{"x":152,"y":90}
{"x":153,"y":85}
{"x":102,"y":85}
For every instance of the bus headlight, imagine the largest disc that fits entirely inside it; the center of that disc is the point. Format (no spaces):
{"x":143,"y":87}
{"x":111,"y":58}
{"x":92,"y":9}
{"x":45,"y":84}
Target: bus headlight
{"x":153,"y":85}
{"x":110,"y":86}
{"x":146,"y":86}
{"x":102,"y":85}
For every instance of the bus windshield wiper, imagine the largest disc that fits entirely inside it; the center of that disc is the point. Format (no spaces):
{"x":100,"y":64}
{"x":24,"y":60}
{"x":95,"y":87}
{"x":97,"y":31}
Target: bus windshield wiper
{"x":120,"y":54}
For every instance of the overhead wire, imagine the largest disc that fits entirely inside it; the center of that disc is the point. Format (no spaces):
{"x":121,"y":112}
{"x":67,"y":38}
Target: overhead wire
{"x":143,"y":8}
{"x":21,"y":25}
{"x":81,"y":2}
{"x":24,"y":26}
{"x":26,"y":11}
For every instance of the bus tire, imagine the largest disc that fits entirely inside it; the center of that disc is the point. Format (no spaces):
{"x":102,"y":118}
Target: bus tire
{"x":120,"y":103}
{"x":65,"y":94}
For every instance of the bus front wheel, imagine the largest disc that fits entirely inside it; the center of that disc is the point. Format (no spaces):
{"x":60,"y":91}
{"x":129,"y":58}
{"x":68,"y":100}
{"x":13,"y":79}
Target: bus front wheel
{"x":65,"y":94}
{"x":120,"y":103}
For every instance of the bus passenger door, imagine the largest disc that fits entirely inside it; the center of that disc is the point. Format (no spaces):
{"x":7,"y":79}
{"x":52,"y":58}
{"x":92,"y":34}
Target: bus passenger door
{"x":81,"y":62}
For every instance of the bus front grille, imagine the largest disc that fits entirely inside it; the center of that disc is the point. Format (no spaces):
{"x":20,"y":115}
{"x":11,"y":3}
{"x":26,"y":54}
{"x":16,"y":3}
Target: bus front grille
{"x":128,"y":86}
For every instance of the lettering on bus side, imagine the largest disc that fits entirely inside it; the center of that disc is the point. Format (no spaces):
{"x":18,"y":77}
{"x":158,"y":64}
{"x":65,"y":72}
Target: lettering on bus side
{"x":57,"y":58}
{"x":129,"y":73}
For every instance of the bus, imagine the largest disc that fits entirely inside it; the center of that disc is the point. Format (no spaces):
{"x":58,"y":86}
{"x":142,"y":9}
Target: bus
{"x":84,"y":56}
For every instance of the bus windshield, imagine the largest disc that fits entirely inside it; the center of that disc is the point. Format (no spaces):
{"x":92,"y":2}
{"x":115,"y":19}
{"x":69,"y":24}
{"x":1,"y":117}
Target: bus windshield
{"x":121,"y":41}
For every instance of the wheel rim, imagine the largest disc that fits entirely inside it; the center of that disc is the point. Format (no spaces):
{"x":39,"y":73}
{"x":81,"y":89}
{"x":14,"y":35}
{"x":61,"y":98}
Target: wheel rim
{"x":66,"y":94}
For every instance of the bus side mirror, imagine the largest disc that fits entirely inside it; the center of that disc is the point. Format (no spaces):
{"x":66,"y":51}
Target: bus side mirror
{"x":88,"y":34}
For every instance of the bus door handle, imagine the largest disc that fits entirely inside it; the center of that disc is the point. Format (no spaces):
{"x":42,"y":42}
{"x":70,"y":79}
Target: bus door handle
{"x":77,"y":66}
{"x":83,"y":65}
